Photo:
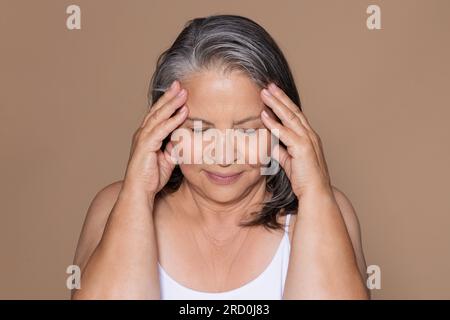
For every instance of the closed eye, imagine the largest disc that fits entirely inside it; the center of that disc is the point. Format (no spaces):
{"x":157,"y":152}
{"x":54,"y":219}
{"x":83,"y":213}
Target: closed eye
{"x":247,"y":131}
{"x":199,"y":130}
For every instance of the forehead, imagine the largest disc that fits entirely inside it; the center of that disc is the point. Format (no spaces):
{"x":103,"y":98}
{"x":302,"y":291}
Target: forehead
{"x":214,"y":95}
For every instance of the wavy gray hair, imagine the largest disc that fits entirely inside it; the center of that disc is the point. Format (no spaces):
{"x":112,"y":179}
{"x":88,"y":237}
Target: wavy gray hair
{"x":234,"y":43}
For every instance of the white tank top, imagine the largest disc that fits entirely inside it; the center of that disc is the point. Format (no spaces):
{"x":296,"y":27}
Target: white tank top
{"x":269,"y":285}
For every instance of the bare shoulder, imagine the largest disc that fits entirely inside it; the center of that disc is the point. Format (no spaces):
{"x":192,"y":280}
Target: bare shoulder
{"x":347,"y":209}
{"x":95,"y":221}
{"x":353,"y":228}
{"x":352,"y":224}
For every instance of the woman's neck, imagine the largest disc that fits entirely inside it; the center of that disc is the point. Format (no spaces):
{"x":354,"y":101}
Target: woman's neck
{"x":220,"y":218}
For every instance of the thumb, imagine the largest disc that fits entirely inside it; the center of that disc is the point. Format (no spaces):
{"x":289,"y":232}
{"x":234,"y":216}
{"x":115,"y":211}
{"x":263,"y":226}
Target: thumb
{"x":280,"y":154}
{"x":171,"y":154}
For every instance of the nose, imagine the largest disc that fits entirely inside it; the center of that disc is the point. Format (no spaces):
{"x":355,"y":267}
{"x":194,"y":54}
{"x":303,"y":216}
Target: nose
{"x":228,"y":155}
{"x":224,"y":165}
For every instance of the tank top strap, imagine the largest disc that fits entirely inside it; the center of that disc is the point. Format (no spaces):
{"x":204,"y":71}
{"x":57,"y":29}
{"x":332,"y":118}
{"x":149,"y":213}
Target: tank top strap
{"x":286,"y":223}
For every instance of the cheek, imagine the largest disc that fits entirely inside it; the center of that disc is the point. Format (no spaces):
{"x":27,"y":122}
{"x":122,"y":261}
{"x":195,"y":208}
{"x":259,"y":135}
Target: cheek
{"x":191,"y":171}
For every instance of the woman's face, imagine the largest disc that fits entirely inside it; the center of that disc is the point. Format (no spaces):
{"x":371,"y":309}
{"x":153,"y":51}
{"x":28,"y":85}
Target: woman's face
{"x":228,"y":105}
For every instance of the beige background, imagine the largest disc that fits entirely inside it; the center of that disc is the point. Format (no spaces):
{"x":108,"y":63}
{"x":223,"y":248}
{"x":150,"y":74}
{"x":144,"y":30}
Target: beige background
{"x":71,"y":100}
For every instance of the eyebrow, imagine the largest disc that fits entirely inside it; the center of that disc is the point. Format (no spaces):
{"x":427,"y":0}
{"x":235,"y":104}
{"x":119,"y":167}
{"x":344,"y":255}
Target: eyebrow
{"x":235,"y":122}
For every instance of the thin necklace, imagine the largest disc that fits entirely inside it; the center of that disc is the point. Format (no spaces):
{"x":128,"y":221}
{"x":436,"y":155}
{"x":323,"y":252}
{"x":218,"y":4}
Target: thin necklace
{"x":219,"y":242}
{"x":214,"y":240}
{"x":237,"y":254}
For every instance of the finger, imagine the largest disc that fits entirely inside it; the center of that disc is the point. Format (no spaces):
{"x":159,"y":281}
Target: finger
{"x":165,"y":161}
{"x":165,"y":111}
{"x":162,"y":130}
{"x":171,"y":153}
{"x":168,"y":151}
{"x":314,"y":137}
{"x":169,"y":94}
{"x":287,"y":117}
{"x":280,"y":154}
{"x":284,"y":98}
{"x":287,"y":136}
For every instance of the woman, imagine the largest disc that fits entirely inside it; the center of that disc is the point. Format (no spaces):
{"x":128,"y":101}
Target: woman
{"x":221,"y":229}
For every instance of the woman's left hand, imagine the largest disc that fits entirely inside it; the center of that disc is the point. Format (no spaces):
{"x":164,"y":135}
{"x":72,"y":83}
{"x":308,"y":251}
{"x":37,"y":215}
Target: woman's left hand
{"x":303,"y":160}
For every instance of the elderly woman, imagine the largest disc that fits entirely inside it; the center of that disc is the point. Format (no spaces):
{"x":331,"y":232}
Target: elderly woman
{"x":220,"y":229}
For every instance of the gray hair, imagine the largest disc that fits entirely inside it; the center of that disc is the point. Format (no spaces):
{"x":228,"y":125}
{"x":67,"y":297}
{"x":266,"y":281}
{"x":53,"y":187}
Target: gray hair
{"x":231,"y":42}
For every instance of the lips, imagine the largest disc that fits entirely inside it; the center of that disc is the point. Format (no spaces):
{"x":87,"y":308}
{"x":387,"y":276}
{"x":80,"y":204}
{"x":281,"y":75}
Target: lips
{"x":223,"y":175}
{"x":223,"y":178}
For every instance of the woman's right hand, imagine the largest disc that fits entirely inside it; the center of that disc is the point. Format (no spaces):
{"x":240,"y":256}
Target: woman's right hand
{"x":149,"y":168}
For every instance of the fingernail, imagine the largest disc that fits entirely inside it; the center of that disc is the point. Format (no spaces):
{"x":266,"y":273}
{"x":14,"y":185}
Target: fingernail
{"x":182,"y":92}
{"x":172,"y":86}
{"x":272,"y":86}
{"x":265,"y":114}
{"x":183,"y":109}
{"x":266,"y":92}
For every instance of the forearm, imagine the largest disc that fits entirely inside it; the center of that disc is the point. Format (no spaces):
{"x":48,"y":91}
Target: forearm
{"x":322,"y":262}
{"x":124,"y":264}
